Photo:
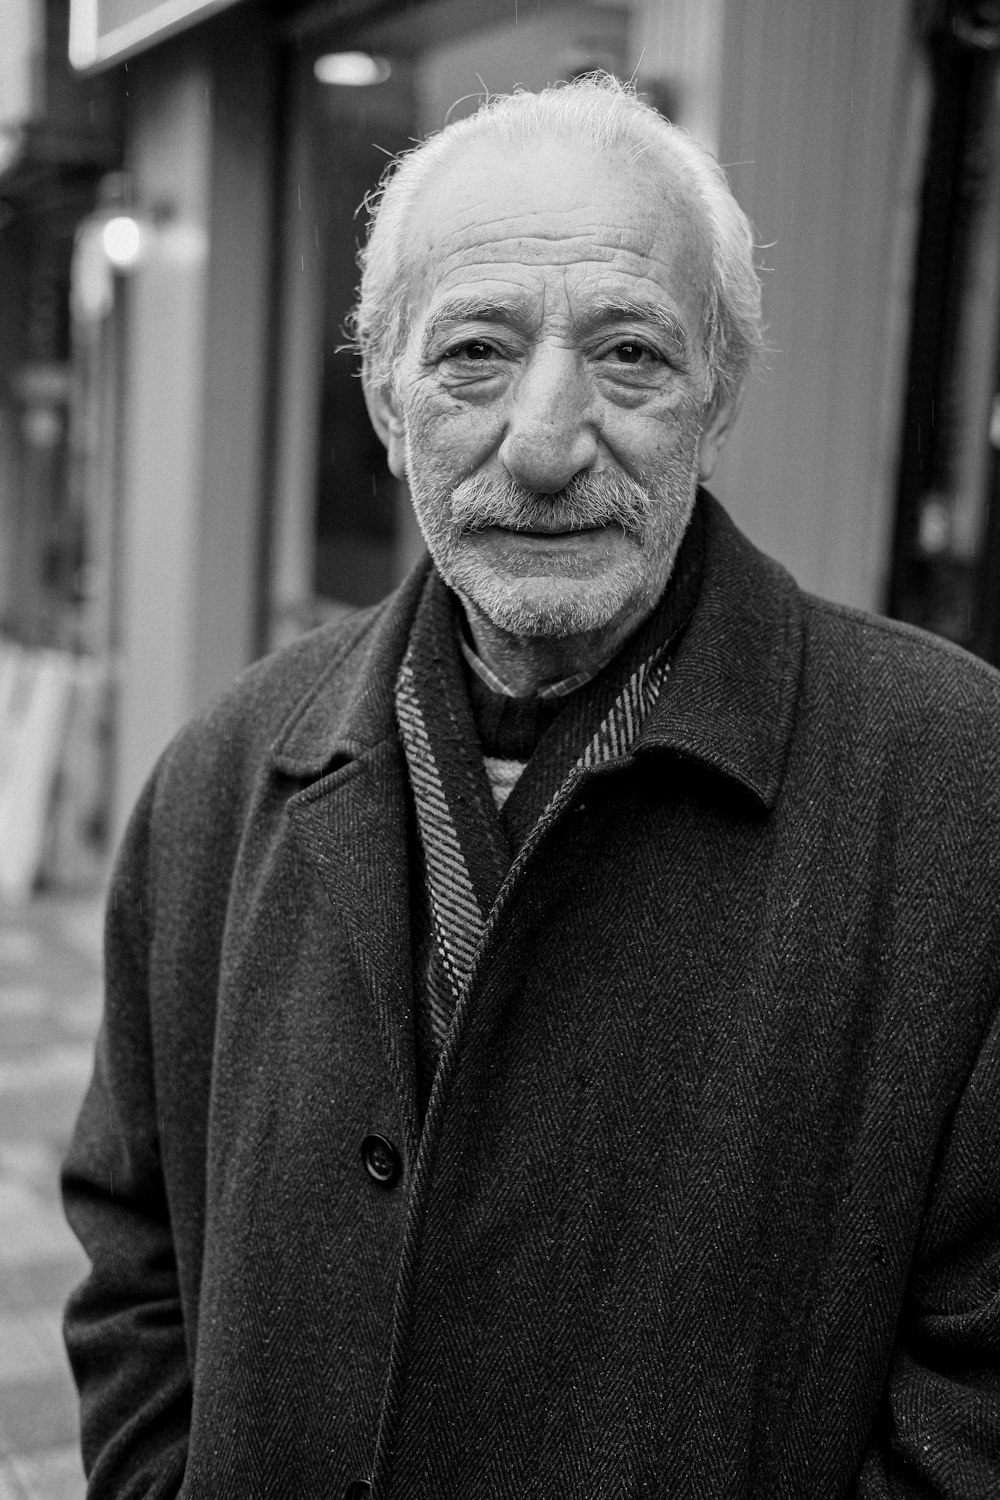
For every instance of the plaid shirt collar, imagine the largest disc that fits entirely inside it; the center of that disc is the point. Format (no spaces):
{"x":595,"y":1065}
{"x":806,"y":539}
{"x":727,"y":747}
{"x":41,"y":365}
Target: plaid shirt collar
{"x":489,"y":678}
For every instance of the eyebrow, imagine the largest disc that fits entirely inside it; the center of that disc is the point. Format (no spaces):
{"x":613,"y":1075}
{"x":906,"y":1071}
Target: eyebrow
{"x":627,"y":310}
{"x":470,"y":310}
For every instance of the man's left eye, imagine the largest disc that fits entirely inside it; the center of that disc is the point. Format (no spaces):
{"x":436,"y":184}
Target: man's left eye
{"x":631,"y":352}
{"x":474,"y":349}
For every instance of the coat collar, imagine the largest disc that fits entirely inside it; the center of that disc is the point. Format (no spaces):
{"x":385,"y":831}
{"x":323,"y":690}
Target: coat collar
{"x":730,"y":698}
{"x":729,"y":701}
{"x":351,"y":708}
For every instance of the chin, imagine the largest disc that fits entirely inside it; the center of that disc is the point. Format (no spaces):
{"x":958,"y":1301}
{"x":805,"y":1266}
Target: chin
{"x":558,"y":608}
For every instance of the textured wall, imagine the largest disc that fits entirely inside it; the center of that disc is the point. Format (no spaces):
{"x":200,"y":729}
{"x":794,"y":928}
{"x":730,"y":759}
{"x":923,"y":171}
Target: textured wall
{"x":821,"y":123}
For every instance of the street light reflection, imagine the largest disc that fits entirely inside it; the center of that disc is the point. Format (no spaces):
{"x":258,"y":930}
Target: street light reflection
{"x":122,"y":239}
{"x":351,"y":69}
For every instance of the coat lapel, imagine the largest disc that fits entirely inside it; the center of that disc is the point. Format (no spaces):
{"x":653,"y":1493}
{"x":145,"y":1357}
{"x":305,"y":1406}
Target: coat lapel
{"x":351,"y":817}
{"x":730,"y":698}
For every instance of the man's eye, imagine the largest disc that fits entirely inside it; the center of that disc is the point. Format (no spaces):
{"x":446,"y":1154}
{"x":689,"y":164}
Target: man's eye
{"x":474,"y":349}
{"x":630,"y":352}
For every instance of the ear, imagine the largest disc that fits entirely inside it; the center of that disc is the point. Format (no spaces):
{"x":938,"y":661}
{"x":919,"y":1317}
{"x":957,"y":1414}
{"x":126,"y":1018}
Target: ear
{"x":387,"y":420}
{"x":719,"y":422}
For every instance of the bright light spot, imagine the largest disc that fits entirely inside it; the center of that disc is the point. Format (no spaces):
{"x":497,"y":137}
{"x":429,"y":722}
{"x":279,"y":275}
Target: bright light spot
{"x":122,"y":240}
{"x":934,"y":533}
{"x":355,"y":70}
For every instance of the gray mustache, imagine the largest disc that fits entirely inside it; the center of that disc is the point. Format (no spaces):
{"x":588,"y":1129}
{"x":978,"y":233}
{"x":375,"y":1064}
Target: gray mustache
{"x":593,"y":499}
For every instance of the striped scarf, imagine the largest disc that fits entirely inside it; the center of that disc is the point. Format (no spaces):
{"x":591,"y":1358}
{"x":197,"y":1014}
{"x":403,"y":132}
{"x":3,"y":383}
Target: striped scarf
{"x":459,"y":916}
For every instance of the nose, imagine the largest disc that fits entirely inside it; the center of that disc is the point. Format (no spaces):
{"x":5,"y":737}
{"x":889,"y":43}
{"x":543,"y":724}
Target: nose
{"x":551,"y":434}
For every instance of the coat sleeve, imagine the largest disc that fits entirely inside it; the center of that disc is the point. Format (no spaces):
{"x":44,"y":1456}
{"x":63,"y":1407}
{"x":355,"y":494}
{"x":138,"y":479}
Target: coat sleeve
{"x":938,"y":1434}
{"x":124,"y":1327}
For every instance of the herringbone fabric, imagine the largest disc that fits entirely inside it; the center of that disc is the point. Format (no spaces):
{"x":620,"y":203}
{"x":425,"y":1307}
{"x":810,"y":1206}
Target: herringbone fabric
{"x":704,"y":1202}
{"x":457,"y":918}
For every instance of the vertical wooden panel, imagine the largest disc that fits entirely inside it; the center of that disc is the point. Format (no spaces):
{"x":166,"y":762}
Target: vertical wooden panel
{"x":817,"y":124}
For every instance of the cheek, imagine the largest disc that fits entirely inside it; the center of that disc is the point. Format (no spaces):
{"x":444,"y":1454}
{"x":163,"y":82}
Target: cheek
{"x":427,"y":462}
{"x":651,"y":441}
{"x":451,"y":432}
{"x":681,"y":428}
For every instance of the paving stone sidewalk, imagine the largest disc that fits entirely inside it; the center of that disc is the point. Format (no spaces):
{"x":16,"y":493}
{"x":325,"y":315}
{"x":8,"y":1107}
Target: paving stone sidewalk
{"x":49,"y":1011}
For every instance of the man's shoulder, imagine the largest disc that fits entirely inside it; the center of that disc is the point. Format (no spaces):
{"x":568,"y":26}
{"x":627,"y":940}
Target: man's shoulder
{"x":254,"y":710}
{"x":862,"y":651}
{"x":270,"y":690}
{"x":885,"y":653}
{"x":315,"y":675}
{"x":767,"y":670}
{"x":900,"y":689}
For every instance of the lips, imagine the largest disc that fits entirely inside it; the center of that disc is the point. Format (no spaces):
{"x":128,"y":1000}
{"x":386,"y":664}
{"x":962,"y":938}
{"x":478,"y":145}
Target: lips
{"x":544,"y":539}
{"x":552,"y":531}
{"x":549,"y":533}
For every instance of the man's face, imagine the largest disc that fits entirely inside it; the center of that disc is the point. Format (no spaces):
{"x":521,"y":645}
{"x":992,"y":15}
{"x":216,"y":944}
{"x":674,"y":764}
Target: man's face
{"x":550,"y":405}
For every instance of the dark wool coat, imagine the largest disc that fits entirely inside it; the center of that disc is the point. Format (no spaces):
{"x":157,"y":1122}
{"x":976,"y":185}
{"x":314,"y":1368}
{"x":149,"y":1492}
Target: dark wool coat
{"x":706,"y":1203}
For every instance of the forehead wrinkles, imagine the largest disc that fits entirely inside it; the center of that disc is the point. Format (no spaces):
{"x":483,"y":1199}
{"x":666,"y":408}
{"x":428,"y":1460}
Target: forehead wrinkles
{"x":546,"y":227}
{"x":478,"y":249}
{"x":584,"y":210}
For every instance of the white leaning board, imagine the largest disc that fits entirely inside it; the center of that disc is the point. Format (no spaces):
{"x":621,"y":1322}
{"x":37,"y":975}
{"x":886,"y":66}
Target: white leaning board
{"x":36,"y":689}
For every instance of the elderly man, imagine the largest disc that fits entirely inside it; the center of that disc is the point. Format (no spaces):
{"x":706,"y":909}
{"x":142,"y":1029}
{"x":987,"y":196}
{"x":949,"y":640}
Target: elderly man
{"x":548,"y":1040}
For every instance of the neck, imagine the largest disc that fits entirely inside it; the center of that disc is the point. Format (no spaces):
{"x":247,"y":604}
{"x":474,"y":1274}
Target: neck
{"x":527,"y":664}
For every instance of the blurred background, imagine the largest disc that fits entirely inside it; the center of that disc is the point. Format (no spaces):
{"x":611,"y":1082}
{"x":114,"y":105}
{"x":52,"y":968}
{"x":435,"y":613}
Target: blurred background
{"x":187,"y":474}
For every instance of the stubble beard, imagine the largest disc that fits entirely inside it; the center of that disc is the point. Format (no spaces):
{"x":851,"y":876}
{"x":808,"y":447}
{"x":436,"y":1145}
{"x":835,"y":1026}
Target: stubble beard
{"x":652,"y":513}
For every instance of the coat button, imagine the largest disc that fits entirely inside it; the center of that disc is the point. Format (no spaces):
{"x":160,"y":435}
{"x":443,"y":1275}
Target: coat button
{"x":359,"y":1490}
{"x":381,"y":1161}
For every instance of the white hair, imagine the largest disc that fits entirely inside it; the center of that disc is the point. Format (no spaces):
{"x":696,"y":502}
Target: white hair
{"x":602,"y":111}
